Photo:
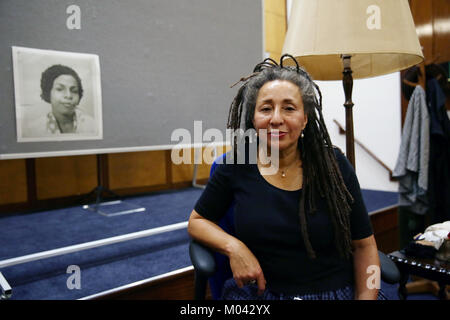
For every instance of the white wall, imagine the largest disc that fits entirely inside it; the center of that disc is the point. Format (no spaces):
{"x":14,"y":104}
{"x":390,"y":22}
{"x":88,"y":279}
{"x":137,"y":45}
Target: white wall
{"x":377,"y":123}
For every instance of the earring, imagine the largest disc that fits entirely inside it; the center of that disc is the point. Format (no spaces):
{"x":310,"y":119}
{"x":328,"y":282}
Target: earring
{"x":302,"y":135}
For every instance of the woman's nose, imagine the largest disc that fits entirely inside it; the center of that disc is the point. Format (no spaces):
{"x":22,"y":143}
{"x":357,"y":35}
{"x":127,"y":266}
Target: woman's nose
{"x":68,"y":94}
{"x":277,"y":118}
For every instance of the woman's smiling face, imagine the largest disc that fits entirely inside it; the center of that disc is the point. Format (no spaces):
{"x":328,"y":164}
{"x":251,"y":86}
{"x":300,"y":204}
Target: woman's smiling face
{"x":64,"y":95}
{"x":279,"y":110}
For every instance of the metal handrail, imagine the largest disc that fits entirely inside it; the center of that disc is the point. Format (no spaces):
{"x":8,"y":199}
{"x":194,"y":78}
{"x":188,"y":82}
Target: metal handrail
{"x":91,"y":244}
{"x":5,"y":288}
{"x":342,"y":131}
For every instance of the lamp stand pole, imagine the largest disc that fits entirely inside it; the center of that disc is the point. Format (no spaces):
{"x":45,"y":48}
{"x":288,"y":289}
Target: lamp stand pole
{"x":347,"y":82}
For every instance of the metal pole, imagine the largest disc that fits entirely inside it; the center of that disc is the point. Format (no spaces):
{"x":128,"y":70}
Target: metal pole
{"x":347,"y":82}
{"x":6,"y":290}
{"x":90,"y":245}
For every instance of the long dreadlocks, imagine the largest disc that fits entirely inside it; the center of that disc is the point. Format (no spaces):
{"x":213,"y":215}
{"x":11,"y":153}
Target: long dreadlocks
{"x":321,"y":175}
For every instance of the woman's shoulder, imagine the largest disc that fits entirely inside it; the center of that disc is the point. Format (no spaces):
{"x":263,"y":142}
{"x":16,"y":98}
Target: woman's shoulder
{"x":36,"y":127}
{"x":86,"y":123}
{"x":338,"y":153}
{"x":83,"y":115}
{"x":343,"y":162}
{"x":228,"y":164}
{"x":223,"y":162}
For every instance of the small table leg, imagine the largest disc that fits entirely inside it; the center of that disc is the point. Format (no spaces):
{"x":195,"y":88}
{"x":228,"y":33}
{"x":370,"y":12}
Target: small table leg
{"x":442,"y":291}
{"x":402,"y":292}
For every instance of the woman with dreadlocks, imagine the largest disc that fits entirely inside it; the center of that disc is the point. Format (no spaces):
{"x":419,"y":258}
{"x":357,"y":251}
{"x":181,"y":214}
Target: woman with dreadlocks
{"x":302,"y":232}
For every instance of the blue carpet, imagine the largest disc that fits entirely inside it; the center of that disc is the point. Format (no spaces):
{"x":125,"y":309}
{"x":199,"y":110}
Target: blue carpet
{"x":376,"y":200}
{"x":114,"y":265}
{"x":101,"y":268}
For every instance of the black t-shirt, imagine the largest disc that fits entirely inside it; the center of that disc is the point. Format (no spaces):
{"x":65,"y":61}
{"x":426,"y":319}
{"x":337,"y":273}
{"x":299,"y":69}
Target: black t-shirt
{"x":267,"y":220}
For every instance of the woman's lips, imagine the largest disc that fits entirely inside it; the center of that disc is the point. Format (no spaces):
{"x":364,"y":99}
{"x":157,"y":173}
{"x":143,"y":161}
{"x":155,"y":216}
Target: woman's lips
{"x":277,"y":134}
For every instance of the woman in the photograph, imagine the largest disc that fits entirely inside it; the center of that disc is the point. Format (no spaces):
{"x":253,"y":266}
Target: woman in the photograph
{"x":61,"y":87}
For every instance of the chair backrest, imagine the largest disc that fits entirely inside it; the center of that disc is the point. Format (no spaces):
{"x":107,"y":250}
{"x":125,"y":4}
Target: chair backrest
{"x":223,"y":270}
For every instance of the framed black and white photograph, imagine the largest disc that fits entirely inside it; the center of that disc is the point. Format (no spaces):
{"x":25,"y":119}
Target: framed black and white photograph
{"x":57,"y":95}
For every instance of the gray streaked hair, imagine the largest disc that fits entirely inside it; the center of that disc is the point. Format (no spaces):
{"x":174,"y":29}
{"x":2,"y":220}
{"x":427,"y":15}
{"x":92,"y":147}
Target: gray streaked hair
{"x":321,"y":174}
{"x":307,"y":90}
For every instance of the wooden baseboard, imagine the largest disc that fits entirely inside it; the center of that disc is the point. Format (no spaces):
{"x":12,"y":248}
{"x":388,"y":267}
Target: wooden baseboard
{"x":178,"y":285}
{"x":386,"y":230}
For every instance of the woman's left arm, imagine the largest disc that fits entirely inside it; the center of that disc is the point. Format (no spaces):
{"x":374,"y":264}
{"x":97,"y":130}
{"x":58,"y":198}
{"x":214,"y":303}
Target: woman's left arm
{"x":366,"y":264}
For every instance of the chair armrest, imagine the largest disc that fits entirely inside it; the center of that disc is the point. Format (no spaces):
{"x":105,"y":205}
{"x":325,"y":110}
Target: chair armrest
{"x":389,"y":270}
{"x":202,"y":259}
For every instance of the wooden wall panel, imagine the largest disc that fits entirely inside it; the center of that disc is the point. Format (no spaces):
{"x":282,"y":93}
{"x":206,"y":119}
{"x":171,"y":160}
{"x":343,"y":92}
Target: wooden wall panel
{"x":184,"y":172}
{"x":275,"y":31}
{"x":65,"y":176}
{"x":385,"y":228}
{"x":441,"y":30}
{"x":136,"y":169}
{"x":432,"y":20}
{"x":274,"y":27}
{"x":422,"y":12}
{"x":13,"y":181}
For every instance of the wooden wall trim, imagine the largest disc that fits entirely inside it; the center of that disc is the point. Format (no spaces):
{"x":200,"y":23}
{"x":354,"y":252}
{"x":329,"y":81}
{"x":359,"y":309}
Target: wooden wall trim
{"x":169,"y":178}
{"x":103,"y":170}
{"x":31,"y":181}
{"x":175,"y":287}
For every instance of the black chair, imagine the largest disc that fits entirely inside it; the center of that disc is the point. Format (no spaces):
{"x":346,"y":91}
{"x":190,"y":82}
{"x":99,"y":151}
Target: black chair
{"x":212,"y":266}
{"x":205,"y":268}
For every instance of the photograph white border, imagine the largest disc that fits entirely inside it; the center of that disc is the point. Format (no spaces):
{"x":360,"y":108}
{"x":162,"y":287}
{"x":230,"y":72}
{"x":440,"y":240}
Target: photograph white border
{"x":53,"y":57}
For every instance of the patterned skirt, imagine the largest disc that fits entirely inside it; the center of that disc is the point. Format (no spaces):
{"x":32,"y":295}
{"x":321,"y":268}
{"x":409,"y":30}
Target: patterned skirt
{"x":250,"y":292}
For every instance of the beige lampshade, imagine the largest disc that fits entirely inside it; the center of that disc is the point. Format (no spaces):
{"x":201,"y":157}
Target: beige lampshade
{"x":379,"y":35}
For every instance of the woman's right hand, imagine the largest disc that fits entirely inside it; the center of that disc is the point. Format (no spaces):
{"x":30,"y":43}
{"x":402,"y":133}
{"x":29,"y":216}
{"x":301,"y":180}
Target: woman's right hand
{"x":245,"y":267}
{"x":243,"y":263}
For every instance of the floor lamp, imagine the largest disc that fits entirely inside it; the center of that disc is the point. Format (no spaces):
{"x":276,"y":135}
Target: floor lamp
{"x":347,"y":39}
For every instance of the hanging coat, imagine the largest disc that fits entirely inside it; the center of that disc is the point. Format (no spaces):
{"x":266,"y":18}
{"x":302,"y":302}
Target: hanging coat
{"x":439,"y":164}
{"x":411,"y":168}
